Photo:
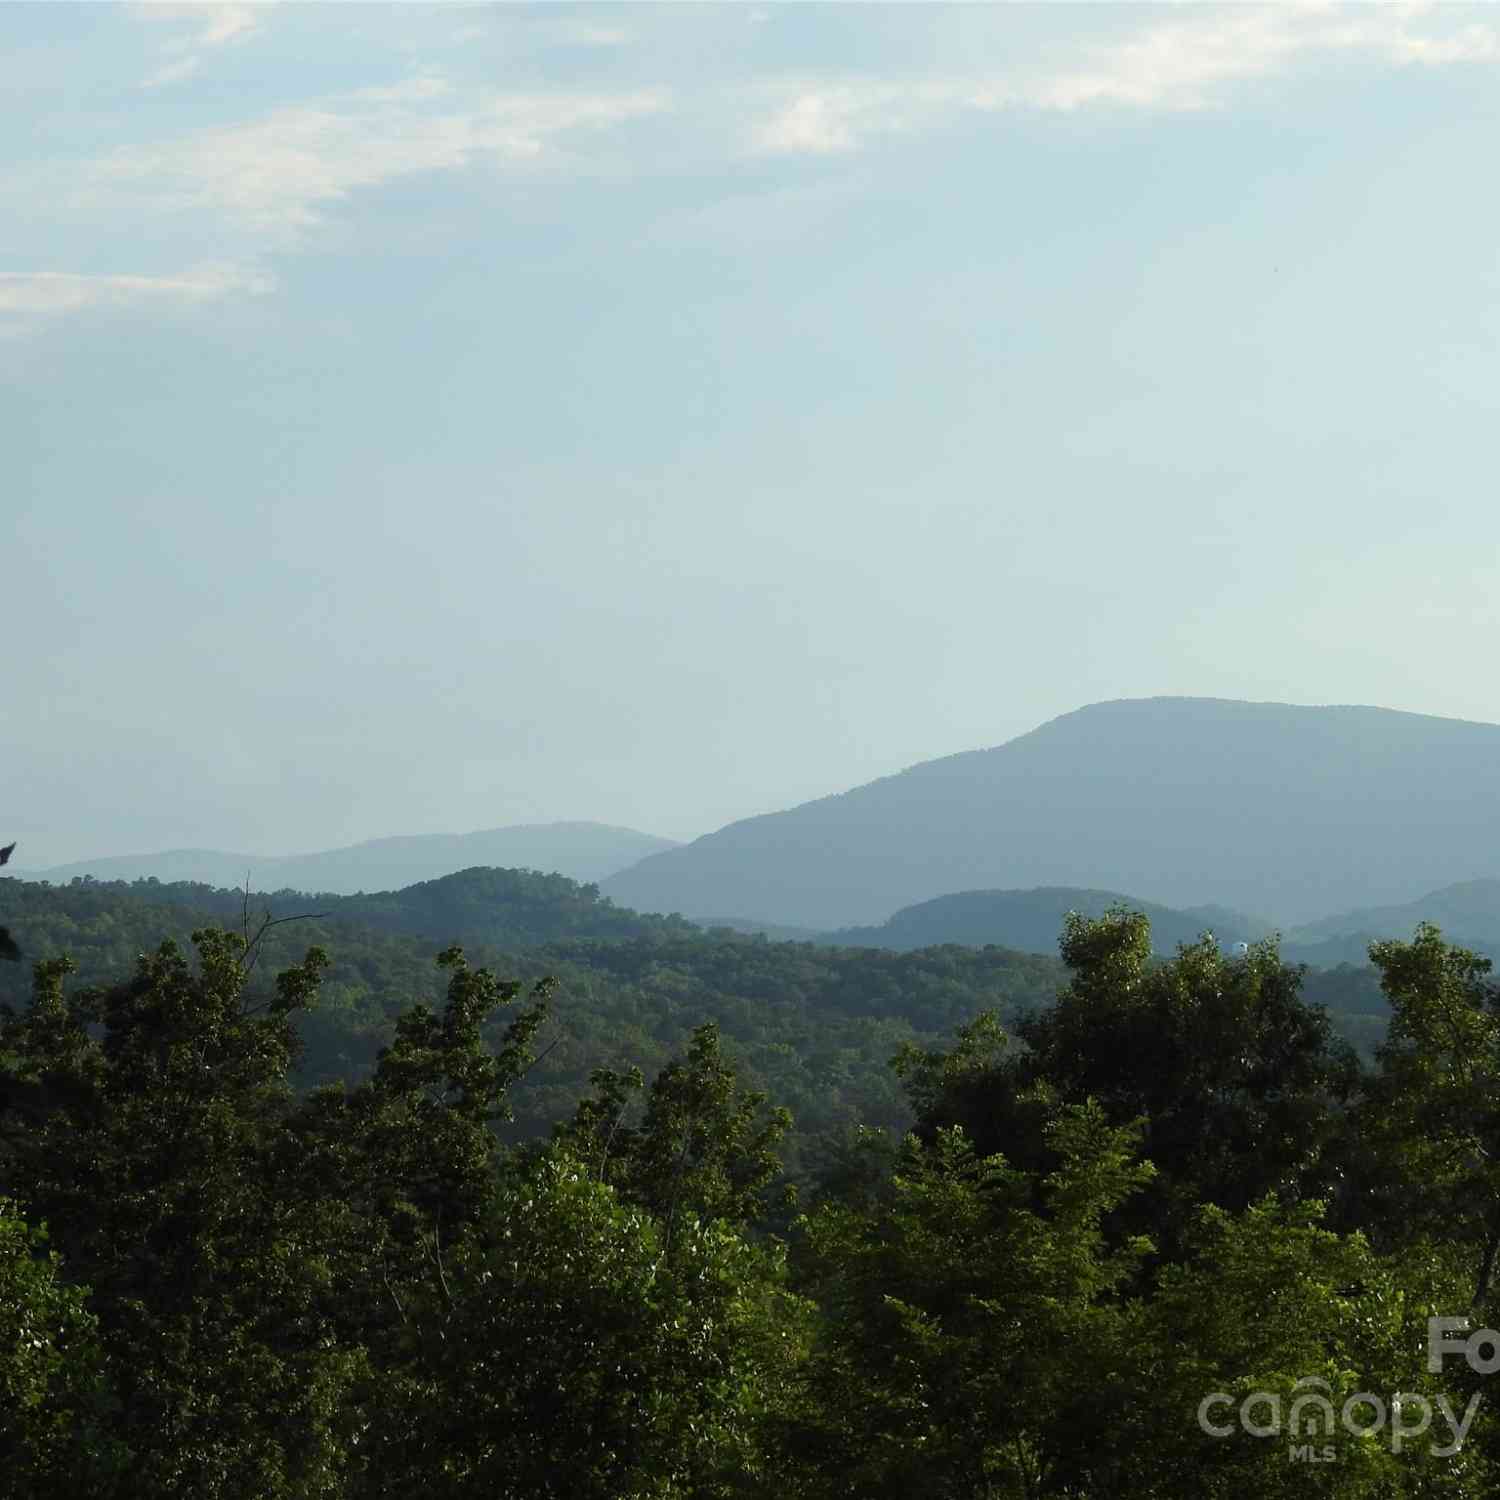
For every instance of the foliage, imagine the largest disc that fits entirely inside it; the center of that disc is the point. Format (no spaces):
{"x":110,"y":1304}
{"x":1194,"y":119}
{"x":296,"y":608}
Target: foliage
{"x":963,"y":1317}
{"x":702,"y":1148}
{"x":811,"y":1027}
{"x":54,"y":1405}
{"x":396,"y":1281}
{"x":313,"y":1296}
{"x":1433,"y":1111}
{"x":1273,"y":1307}
{"x":1238,"y":1081}
{"x":153,"y":1115}
{"x":561,"y":1350}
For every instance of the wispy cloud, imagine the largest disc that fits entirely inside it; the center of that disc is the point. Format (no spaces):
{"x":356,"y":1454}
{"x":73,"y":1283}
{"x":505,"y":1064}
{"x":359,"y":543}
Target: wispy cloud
{"x":214,"y":26}
{"x":277,"y":175}
{"x":574,"y":32}
{"x":839,"y":116}
{"x":822,"y":119}
{"x":30,"y":297}
{"x":172,"y":72}
{"x":265,"y":184}
{"x":1182,"y":64}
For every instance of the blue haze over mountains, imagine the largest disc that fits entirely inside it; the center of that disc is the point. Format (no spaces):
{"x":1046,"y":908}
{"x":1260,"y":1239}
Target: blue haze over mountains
{"x":1334,"y":825}
{"x":1290,"y":813}
{"x":582,"y":851}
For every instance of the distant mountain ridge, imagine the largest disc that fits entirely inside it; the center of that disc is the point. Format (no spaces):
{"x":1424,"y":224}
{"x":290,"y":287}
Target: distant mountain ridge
{"x":1469,"y":909}
{"x":383,"y":946}
{"x":1275,"y":808}
{"x":583,"y":851}
{"x":1468,"y":914}
{"x":495,"y":908}
{"x":1032,"y":921}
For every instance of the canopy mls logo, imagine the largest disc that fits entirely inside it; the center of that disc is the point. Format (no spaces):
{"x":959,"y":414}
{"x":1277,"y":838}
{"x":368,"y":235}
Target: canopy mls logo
{"x":1312,"y":1422}
{"x":1439,"y":1345}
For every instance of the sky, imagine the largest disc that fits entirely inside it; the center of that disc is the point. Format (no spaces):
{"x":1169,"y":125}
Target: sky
{"x":430,"y":417}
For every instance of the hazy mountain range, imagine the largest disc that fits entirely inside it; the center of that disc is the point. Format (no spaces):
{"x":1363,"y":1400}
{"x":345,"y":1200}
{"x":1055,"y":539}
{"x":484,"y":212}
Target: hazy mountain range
{"x":1264,"y":807}
{"x":586,"y":852}
{"x":1196,"y":810}
{"x":1031,"y":921}
{"x":1468,"y":913}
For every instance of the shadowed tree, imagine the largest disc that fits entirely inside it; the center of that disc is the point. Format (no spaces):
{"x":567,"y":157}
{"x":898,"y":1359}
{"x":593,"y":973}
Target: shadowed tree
{"x":703,"y":1146}
{"x":8,"y":947}
{"x":1240,"y":1082}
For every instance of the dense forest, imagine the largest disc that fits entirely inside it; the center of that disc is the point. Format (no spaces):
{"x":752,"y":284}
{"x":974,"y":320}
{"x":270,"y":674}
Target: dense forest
{"x":814,"y":1026}
{"x":489,"y":1187}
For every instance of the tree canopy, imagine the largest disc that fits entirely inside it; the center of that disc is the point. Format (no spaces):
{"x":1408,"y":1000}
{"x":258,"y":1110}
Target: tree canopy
{"x":1133,"y":1243}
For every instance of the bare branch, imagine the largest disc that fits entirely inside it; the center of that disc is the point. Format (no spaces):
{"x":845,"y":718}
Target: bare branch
{"x":253,"y":945}
{"x":561,"y":1036}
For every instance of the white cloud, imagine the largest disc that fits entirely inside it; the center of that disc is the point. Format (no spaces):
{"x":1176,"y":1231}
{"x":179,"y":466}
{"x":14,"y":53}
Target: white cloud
{"x":408,"y":91}
{"x":172,"y":72}
{"x":576,"y":33}
{"x":215,"y":26}
{"x":815,"y":121}
{"x":226,"y":23}
{"x":27,"y":297}
{"x":277,"y":174}
{"x":831,"y":117}
{"x":1179,"y":64}
{"x":1173,"y":65}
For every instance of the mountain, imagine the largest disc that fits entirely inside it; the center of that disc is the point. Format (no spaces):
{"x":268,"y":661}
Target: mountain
{"x":1031,"y":921}
{"x":1266,"y":807}
{"x":1468,"y":913}
{"x":581,"y":851}
{"x":500,"y":908}
{"x":484,"y":908}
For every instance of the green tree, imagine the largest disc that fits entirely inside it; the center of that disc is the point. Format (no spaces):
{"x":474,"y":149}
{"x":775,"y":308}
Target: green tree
{"x":400,"y":1172}
{"x":149,"y":1145}
{"x":8,"y":948}
{"x":561,"y":1350}
{"x":1270,"y":1306}
{"x":54,"y":1402}
{"x":971,"y":1321}
{"x":1432,"y":1114}
{"x":1240,"y":1083}
{"x":703,"y":1146}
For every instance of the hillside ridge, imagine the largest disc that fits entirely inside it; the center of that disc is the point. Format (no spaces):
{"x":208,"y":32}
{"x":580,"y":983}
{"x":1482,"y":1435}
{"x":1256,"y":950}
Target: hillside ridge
{"x":579,"y":849}
{"x":1290,"y":810}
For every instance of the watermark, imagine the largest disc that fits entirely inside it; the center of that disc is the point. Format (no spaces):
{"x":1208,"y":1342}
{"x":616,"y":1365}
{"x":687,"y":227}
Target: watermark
{"x":1310,"y":1421}
{"x":1481,"y":1349}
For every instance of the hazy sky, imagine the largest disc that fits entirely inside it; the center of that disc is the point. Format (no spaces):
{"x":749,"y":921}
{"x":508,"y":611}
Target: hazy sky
{"x":431,"y":417}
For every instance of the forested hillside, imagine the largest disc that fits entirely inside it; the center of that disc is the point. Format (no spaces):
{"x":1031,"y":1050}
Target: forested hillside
{"x":1166,"y":1189}
{"x":1339,"y":975}
{"x":814,"y":1025}
{"x":1031,"y":920}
